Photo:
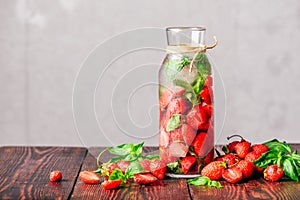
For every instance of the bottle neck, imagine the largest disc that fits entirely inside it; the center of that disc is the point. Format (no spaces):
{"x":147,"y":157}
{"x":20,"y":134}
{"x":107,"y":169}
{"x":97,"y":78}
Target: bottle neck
{"x":192,"y":36}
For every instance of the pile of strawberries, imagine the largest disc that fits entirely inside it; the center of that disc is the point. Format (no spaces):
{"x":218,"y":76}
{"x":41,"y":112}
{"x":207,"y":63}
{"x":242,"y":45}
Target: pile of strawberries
{"x":151,"y":172}
{"x":237,"y":163}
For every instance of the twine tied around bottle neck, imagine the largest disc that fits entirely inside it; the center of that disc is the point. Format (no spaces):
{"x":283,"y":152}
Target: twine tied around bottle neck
{"x":188,"y":48}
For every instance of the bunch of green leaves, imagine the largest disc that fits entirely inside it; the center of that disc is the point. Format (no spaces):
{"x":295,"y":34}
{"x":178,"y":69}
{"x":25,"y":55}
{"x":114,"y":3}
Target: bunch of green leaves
{"x":173,"y":66}
{"x":204,"y":180}
{"x":204,"y":69}
{"x":117,"y":174}
{"x":202,"y":64}
{"x":281,"y":154}
{"x":127,"y":152}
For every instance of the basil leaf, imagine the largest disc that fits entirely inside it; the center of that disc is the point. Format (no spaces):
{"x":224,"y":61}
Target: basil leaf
{"x":117,"y":174}
{"x":131,"y":157}
{"x":198,"y":84}
{"x":122,"y":149}
{"x":202,"y":64}
{"x":174,"y":122}
{"x":189,"y":90}
{"x":152,"y":157}
{"x":296,"y":157}
{"x":275,"y":145}
{"x":134,"y":168}
{"x":267,"y":158}
{"x":204,"y":180}
{"x":289,"y":169}
{"x":176,"y":65}
{"x":174,"y":167}
{"x":116,"y":159}
{"x":216,"y":184}
{"x":137,"y":149}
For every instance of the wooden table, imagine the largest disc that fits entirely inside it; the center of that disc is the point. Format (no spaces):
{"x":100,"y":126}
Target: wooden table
{"x":25,"y":175}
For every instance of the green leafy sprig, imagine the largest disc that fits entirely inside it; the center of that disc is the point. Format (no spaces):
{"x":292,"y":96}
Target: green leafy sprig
{"x":281,"y":154}
{"x":204,"y":180}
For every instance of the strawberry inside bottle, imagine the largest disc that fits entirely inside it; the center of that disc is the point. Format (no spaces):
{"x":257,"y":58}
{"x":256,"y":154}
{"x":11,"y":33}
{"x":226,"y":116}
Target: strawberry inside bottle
{"x":186,"y":101}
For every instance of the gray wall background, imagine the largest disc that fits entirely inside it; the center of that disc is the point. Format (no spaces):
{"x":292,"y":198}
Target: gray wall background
{"x":44,"y":43}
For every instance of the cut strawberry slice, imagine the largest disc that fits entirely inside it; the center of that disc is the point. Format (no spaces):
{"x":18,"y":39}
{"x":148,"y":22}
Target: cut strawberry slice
{"x":232,"y":175}
{"x":144,"y":178}
{"x":208,"y":109}
{"x":145,"y":164}
{"x":197,"y":118}
{"x":165,"y":98}
{"x":89,"y":177}
{"x":187,"y":163}
{"x":188,"y":133}
{"x":176,"y":135}
{"x":198,"y":144}
{"x":206,"y":94}
{"x":177,"y":149}
{"x":176,"y":106}
{"x":123,"y":165}
{"x":111,"y":184}
{"x":158,"y":169}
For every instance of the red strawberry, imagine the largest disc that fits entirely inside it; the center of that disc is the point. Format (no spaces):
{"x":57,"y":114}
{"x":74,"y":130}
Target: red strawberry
{"x":188,"y":133}
{"x":165,"y":99}
{"x":111,"y":184}
{"x":177,"y":149}
{"x":197,"y":118}
{"x":214,"y":170}
{"x":186,"y":163}
{"x":89,"y":177}
{"x":232,"y":175}
{"x":242,"y":149}
{"x":198,"y":143}
{"x":158,"y":169}
{"x":145,"y":164}
{"x":123,"y":165}
{"x":206,"y":95}
{"x":260,"y":148}
{"x":230,"y":159}
{"x":144,"y":178}
{"x":273,"y":173}
{"x":245,"y":167}
{"x":209,"y":157}
{"x":55,"y":176}
{"x":231,"y":146}
{"x":208,"y":109}
{"x":176,"y":106}
{"x":252,"y":156}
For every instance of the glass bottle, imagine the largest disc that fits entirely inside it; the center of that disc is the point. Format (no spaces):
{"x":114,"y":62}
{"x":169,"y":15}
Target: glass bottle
{"x":186,"y":101}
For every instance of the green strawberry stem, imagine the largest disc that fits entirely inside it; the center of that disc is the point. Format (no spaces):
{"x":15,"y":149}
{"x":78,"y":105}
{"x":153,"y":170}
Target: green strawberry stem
{"x":236,"y":135}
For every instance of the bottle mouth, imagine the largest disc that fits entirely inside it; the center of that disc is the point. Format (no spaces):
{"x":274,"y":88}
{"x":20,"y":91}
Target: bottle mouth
{"x":185,"y":28}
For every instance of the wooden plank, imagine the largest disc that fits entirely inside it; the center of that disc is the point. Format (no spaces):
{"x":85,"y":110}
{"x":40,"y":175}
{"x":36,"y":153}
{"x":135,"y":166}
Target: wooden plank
{"x":25,"y":171}
{"x":163,"y":189}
